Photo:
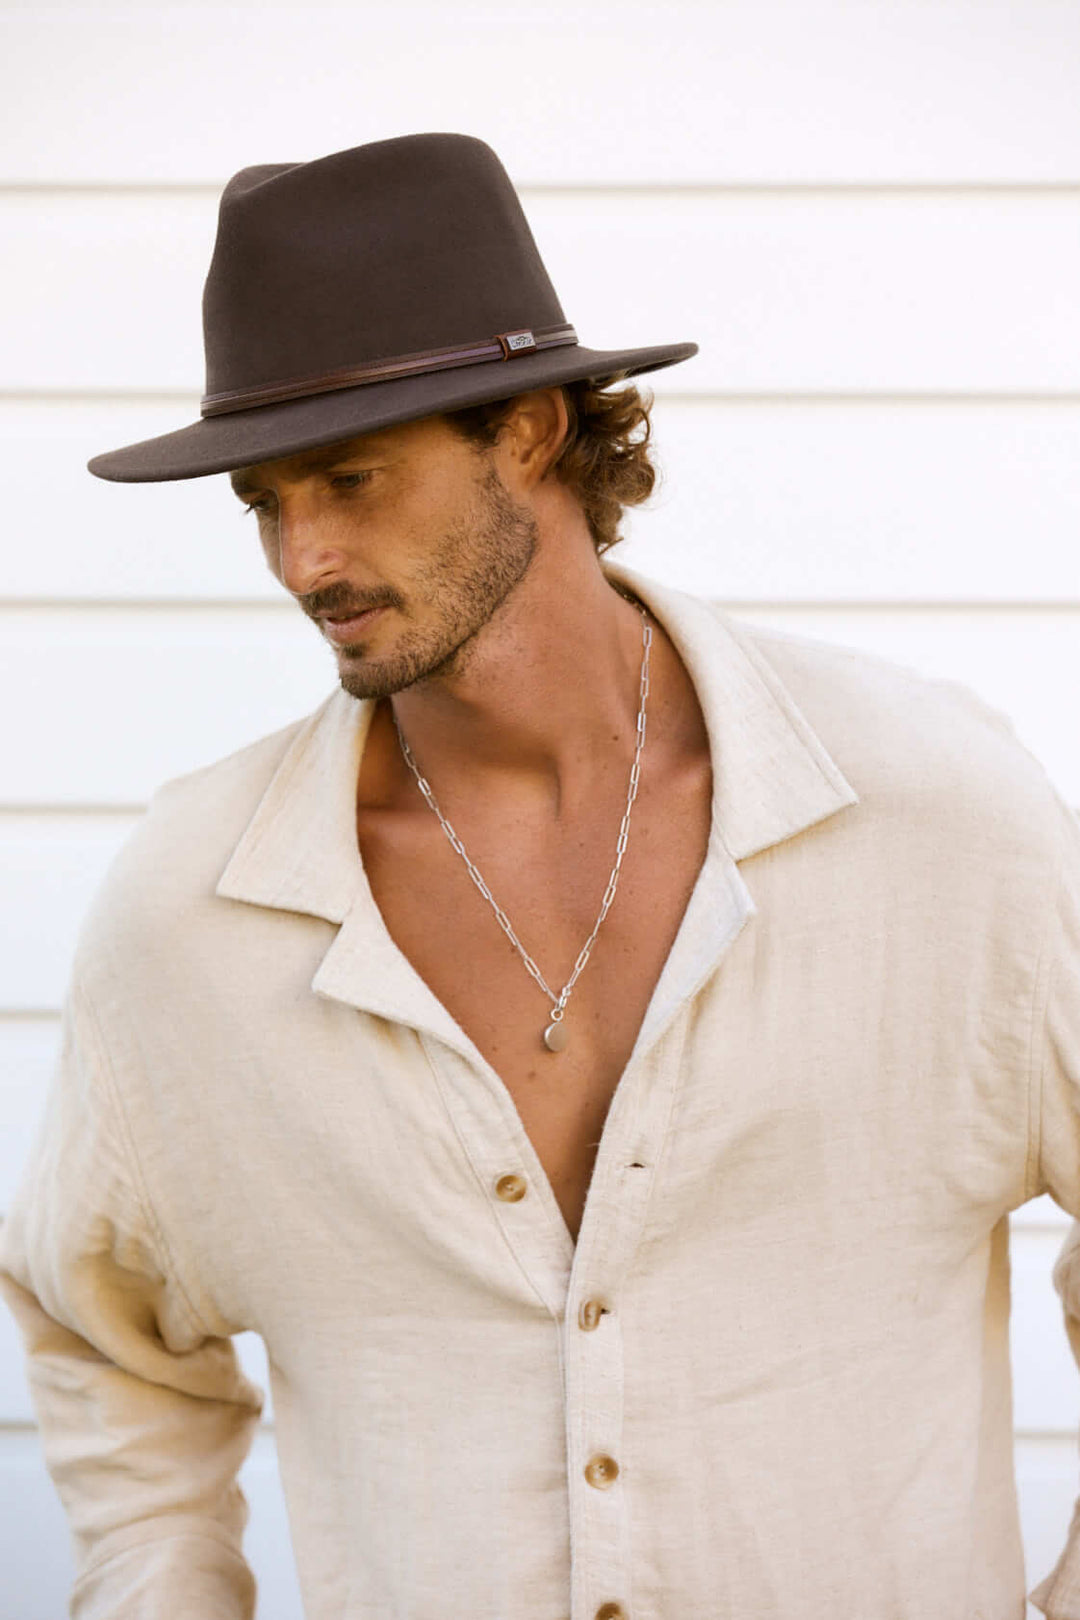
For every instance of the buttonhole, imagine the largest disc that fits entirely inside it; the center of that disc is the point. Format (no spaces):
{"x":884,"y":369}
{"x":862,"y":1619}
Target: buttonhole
{"x":637,"y":1165}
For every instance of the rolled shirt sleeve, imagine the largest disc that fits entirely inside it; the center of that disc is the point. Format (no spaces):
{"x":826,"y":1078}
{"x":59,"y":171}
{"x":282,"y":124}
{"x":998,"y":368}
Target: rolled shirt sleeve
{"x":145,"y":1414}
{"x":1058,"y":1138}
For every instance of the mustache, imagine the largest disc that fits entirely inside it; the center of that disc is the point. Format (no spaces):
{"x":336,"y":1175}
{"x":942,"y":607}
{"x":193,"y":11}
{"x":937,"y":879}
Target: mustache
{"x":339,"y":601}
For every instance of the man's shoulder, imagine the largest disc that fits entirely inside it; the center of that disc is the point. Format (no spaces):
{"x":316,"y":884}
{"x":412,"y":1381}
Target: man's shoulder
{"x":208,"y":809}
{"x":173,"y":859}
{"x":233,"y":784}
{"x":900,"y":734}
{"x":861,"y":683}
{"x":865,"y":707}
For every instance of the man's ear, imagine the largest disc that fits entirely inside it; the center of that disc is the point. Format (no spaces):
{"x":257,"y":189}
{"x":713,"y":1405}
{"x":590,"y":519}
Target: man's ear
{"x":537,"y":429}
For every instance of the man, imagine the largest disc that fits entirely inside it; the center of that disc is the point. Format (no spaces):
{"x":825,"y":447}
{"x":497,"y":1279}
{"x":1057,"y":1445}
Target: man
{"x":598,"y":1051}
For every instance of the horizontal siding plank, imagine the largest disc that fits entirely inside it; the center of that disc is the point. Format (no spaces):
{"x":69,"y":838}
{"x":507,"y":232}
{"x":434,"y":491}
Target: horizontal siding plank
{"x":146,"y":695}
{"x":128,"y":699}
{"x":877,"y":291}
{"x":35,"y":1545}
{"x":870,"y":503}
{"x":50,"y":870}
{"x":28,"y":1052}
{"x":1047,"y":1482}
{"x":81,"y":538}
{"x":774,"y":501}
{"x":1046,"y":1381}
{"x":1042,"y":1213}
{"x":774,"y":90}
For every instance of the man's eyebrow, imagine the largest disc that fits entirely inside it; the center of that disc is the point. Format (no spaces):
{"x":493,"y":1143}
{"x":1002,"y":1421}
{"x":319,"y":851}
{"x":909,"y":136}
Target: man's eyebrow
{"x":312,"y":461}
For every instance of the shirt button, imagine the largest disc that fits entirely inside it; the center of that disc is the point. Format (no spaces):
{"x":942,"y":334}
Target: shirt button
{"x":611,"y":1611}
{"x":510,"y":1188}
{"x":601,"y":1471}
{"x":590,"y":1313}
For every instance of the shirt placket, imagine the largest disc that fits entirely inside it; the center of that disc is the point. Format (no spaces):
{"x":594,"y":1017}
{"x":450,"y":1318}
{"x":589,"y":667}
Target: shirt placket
{"x":599,"y":1476}
{"x":583,"y":1286}
{"x":507,"y":1167}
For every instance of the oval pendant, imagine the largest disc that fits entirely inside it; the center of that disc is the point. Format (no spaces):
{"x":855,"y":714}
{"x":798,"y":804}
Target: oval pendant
{"x":555,"y":1036}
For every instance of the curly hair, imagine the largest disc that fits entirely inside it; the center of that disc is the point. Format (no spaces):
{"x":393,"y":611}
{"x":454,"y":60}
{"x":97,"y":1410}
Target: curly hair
{"x":604,"y":459}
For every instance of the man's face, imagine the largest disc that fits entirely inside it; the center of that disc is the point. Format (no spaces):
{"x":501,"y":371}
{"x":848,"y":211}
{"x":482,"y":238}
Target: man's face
{"x":401,"y":545}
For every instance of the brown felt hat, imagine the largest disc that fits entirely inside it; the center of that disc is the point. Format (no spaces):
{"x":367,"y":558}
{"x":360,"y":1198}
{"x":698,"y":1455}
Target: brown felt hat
{"x":390,"y":282}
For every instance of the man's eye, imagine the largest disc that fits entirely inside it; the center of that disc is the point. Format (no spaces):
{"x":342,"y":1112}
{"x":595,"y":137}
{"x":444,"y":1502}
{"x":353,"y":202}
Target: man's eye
{"x":352,"y":480}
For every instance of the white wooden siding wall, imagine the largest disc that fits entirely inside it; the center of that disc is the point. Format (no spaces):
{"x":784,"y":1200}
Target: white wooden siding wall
{"x":865,"y":213}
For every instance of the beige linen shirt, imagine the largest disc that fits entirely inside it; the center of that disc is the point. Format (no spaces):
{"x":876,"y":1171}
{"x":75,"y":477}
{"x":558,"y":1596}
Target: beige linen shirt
{"x":770,"y":1380}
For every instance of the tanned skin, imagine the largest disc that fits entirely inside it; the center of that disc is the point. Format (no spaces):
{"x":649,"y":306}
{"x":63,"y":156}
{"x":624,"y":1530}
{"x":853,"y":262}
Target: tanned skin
{"x":512,"y":666}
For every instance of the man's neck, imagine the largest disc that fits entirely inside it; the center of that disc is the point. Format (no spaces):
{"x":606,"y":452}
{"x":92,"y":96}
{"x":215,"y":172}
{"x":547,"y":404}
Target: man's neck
{"x":548,"y":694}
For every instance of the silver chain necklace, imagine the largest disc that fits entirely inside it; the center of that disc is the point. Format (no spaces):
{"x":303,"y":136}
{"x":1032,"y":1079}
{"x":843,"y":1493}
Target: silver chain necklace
{"x":555,"y":1035}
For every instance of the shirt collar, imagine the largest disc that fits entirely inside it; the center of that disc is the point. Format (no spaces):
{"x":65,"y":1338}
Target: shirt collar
{"x":772,"y":775}
{"x":772,"y":778}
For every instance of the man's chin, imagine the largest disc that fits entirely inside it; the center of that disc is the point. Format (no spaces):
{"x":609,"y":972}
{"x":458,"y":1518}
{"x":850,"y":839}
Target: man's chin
{"x":367,"y":683}
{"x":365,"y":679}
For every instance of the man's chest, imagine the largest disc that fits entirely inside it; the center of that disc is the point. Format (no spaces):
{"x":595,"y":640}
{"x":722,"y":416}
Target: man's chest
{"x":551,"y":891}
{"x":853,"y":1049}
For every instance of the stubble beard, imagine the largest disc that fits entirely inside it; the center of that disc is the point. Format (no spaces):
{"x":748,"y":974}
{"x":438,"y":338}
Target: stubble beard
{"x":474,"y":569}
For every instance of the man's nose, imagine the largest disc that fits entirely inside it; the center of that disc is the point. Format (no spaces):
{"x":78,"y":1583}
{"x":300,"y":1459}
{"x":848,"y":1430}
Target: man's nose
{"x":308,"y":554}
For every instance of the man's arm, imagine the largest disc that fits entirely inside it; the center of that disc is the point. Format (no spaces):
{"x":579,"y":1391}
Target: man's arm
{"x":1057,"y":1065}
{"x":145,"y":1415}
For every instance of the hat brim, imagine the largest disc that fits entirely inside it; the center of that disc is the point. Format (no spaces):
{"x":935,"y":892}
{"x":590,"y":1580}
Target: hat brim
{"x":268,"y":432}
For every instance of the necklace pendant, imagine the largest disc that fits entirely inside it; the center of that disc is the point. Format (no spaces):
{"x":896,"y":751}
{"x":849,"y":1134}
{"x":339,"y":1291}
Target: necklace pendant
{"x":555,"y":1036}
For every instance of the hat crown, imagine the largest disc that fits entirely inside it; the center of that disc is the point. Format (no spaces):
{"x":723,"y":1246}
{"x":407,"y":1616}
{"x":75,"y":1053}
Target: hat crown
{"x":388,"y":249}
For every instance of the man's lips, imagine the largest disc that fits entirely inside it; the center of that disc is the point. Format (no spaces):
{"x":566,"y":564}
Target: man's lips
{"x":341,"y":629}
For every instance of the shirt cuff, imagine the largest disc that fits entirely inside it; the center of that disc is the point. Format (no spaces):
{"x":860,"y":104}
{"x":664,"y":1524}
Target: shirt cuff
{"x":173,"y":1574}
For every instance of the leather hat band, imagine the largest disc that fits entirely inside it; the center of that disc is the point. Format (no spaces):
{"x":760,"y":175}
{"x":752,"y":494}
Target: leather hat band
{"x":503,"y":347}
